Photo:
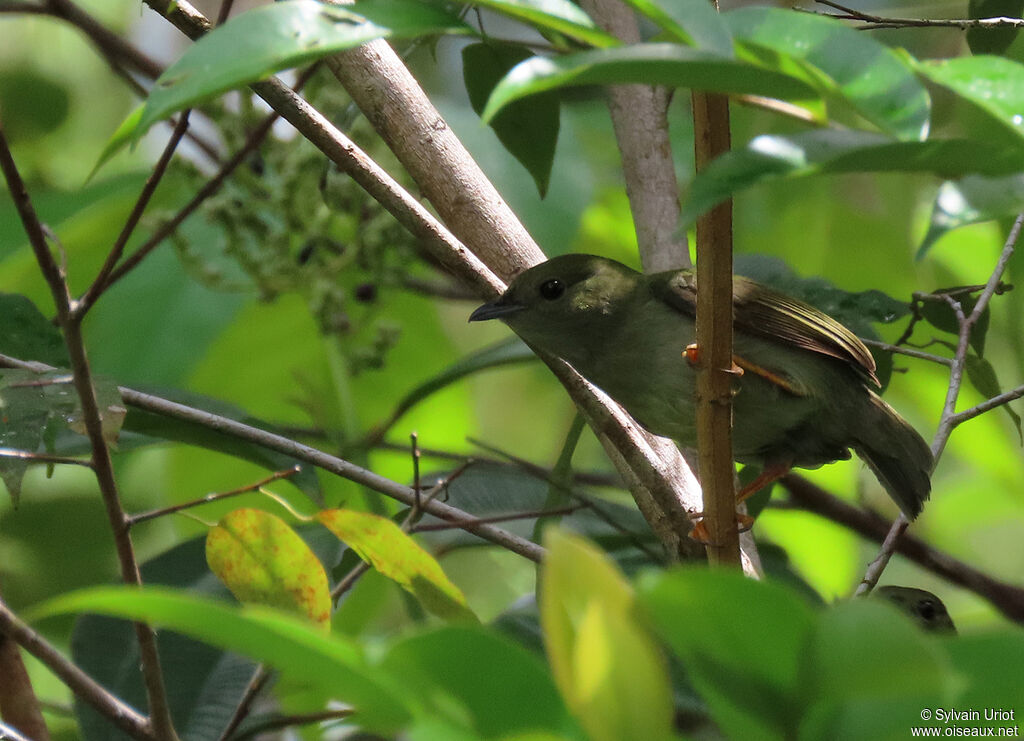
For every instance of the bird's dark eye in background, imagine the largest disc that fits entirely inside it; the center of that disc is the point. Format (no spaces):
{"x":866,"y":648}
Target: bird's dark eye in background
{"x":552,"y":289}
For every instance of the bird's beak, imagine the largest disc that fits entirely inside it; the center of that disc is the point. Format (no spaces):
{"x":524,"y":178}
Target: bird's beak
{"x":495,"y":310}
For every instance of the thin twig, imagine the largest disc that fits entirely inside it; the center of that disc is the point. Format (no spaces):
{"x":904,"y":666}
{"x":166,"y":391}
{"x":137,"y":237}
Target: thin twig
{"x":909,"y":352}
{"x":43,"y":457}
{"x":987,"y":405}
{"x":878,"y":21}
{"x":259,"y":680}
{"x":99,"y":282}
{"x":510,"y":517}
{"x":133,"y":520}
{"x":948,"y":419}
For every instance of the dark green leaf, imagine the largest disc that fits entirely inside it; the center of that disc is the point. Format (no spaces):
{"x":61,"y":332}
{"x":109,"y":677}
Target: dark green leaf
{"x":278,"y":36}
{"x":527,"y":129}
{"x":692,"y":22}
{"x":34,"y":104}
{"x":990,"y":663}
{"x":515,"y":694}
{"x":983,"y":377}
{"x":872,"y":78}
{"x":659,"y":64}
{"x":840,"y":151}
{"x":869,"y":672}
{"x":741,"y":641}
{"x":992,"y":40}
{"x":993,"y":84}
{"x":971,"y":200}
{"x":28,"y":335}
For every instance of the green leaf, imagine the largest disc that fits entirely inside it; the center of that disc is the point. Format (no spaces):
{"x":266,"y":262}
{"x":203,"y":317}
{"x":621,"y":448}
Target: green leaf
{"x":264,"y":562}
{"x":269,"y":38}
{"x":992,"y":40}
{"x":35,"y":407}
{"x":983,"y":377}
{"x":691,"y":22}
{"x":125,"y":134}
{"x":383,"y":545}
{"x":872,"y":78}
{"x":741,"y":641}
{"x":560,"y":16}
{"x":770,"y":156}
{"x":28,"y":335}
{"x":527,"y":129}
{"x":990,"y":663}
{"x":515,"y":694}
{"x":972,"y":200}
{"x":302,"y":652}
{"x":869,"y":673}
{"x":656,"y":64}
{"x":606,"y":665}
{"x":993,"y":84}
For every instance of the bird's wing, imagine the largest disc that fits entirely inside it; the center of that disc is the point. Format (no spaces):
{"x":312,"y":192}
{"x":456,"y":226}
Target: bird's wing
{"x":760,"y":310}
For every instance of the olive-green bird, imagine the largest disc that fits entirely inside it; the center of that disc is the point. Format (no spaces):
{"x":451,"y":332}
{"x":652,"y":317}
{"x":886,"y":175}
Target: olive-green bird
{"x":805,"y":395}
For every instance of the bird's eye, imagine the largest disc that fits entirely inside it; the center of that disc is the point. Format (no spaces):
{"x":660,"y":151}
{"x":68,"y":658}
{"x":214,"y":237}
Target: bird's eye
{"x":926,"y":609}
{"x":552,"y":289}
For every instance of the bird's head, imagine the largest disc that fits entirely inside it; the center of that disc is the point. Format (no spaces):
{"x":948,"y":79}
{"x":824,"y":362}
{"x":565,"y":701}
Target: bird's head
{"x":566,"y":299}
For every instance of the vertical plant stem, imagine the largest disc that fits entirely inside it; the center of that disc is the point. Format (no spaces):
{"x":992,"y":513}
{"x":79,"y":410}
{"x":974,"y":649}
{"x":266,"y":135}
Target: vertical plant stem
{"x":714,"y":340}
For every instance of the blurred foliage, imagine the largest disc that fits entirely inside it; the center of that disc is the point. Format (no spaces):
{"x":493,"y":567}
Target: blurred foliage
{"x":291,"y":298}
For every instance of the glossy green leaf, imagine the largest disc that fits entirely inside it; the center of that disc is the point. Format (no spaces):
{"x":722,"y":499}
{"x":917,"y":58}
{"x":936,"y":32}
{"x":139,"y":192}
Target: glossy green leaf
{"x":383,"y":545}
{"x":269,"y":38}
{"x":741,"y":641}
{"x":515,"y":694}
{"x":692,"y":22}
{"x":972,"y":200}
{"x":264,"y":562}
{"x":302,"y":652}
{"x":528,"y":129}
{"x":657,"y":64}
{"x":126,"y":132}
{"x":28,"y":335}
{"x":993,"y":84}
{"x":606,"y":665}
{"x":992,"y":40}
{"x":770,"y":156}
{"x":561,"y":16}
{"x":983,"y":377}
{"x":873,"y":79}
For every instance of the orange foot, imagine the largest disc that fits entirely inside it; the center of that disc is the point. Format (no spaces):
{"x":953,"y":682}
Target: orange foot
{"x":700,"y":532}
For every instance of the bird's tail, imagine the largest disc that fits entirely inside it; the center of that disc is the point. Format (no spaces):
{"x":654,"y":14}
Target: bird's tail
{"x":897,"y":455}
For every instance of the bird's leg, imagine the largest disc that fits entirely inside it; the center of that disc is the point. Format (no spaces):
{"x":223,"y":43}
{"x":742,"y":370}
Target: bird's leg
{"x":771,"y":473}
